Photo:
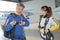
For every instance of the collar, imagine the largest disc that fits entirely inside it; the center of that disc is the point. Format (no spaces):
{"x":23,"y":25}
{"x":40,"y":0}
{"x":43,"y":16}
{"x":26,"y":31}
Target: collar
{"x":16,"y":13}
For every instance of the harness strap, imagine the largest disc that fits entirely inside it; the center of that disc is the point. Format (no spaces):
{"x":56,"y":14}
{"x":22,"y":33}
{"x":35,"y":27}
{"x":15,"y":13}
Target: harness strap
{"x":46,"y":22}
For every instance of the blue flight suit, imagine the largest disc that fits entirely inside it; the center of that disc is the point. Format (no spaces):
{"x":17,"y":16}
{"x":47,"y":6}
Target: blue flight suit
{"x":19,"y":30}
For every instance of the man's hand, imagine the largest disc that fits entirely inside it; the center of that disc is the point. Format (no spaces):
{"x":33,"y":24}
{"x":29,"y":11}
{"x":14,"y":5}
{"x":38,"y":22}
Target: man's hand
{"x":13,"y":23}
{"x":21,"y":23}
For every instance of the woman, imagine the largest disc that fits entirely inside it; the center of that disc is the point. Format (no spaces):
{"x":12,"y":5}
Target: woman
{"x":47,"y":23}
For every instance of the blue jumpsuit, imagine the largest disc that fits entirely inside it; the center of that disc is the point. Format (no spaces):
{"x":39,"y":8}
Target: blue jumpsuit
{"x":19,"y":30}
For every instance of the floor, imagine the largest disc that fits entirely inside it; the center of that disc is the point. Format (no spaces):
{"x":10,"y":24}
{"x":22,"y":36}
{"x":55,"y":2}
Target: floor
{"x":32,"y":33}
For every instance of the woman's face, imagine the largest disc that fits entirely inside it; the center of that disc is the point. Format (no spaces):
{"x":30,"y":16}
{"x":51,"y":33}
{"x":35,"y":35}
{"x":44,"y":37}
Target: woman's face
{"x":43,"y":12}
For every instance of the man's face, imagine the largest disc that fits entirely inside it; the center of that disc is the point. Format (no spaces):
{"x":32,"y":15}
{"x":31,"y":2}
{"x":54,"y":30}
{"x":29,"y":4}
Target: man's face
{"x":19,"y":9}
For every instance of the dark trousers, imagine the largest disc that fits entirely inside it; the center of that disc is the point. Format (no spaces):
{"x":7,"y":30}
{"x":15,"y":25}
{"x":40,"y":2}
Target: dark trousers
{"x":19,"y":38}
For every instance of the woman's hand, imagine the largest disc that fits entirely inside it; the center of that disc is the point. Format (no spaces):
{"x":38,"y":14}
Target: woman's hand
{"x":46,"y":30}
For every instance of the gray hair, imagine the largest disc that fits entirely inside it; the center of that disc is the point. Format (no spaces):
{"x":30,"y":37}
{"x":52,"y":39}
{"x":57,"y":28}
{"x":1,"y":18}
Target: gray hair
{"x":20,"y":4}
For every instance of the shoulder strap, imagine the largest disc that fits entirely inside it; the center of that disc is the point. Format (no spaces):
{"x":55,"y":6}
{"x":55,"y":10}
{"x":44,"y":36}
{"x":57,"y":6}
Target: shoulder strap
{"x":14,"y":15}
{"x":46,"y":22}
{"x":7,"y":19}
{"x":40,"y":20}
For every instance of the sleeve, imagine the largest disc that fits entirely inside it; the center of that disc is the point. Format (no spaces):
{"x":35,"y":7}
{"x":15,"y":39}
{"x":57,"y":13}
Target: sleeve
{"x":8,"y":26}
{"x":26,"y":22}
{"x":54,"y":25}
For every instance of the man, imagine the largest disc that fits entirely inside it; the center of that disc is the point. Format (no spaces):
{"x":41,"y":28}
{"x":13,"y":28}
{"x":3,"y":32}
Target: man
{"x":18,"y":22}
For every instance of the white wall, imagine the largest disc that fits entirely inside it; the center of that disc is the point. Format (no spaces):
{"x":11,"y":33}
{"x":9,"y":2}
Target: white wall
{"x":7,"y":6}
{"x":35,"y":5}
{"x":56,"y":13}
{"x":30,"y":6}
